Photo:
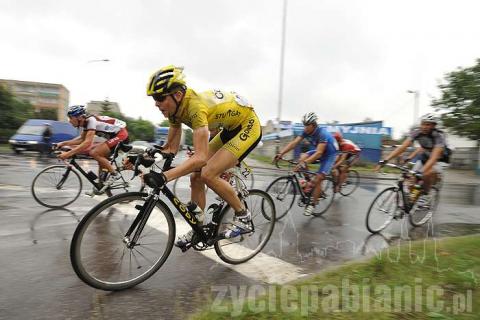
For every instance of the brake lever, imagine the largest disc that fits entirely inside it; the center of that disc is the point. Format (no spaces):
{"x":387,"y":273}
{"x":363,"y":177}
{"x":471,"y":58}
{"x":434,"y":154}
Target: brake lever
{"x":136,"y":171}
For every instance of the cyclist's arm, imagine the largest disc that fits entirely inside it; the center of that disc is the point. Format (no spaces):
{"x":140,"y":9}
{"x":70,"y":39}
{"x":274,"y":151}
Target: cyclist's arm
{"x":74,"y":141}
{"x":434,"y":156}
{"x":414,"y":153}
{"x":290,"y":145}
{"x":399,"y":150}
{"x":340,"y":159}
{"x":173,"y":140}
{"x":317,"y":154}
{"x":87,"y":142}
{"x":198,"y":160}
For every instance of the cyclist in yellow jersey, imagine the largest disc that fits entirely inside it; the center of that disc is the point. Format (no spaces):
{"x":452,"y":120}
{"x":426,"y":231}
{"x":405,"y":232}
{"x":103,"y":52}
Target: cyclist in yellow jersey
{"x":211,"y":110}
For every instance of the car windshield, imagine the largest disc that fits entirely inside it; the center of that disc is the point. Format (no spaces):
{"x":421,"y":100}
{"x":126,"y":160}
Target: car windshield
{"x":32,"y":130}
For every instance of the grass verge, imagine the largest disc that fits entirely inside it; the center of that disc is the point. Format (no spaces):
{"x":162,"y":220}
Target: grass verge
{"x":435,"y":279}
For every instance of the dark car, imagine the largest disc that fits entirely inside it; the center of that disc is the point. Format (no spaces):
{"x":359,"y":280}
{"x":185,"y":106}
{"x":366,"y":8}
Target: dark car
{"x":38,"y":135}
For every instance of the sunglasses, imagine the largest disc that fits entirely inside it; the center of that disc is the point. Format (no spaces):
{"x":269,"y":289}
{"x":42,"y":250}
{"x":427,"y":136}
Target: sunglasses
{"x":159,"y":97}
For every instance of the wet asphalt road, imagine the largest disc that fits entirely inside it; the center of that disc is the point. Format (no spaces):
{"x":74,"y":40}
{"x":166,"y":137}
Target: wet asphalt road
{"x":38,"y":282}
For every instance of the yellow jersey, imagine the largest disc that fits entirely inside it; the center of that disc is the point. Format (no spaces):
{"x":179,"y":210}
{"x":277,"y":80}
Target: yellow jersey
{"x":214,"y":108}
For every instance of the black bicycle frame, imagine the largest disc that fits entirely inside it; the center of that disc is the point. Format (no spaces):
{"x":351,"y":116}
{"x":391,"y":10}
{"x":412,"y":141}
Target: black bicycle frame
{"x":77,"y":166}
{"x":406,"y":201}
{"x":146,"y":209}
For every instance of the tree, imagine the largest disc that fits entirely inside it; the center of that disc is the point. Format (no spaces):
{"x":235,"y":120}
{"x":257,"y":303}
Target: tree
{"x":48,"y":114}
{"x":460,"y":98}
{"x":188,"y":136}
{"x":105,"y":106}
{"x":164,"y":123}
{"x":13,"y":113}
{"x":140,"y":129}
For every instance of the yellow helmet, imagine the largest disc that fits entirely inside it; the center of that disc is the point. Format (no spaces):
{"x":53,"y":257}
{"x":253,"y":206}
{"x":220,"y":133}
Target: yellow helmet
{"x":166,"y":81}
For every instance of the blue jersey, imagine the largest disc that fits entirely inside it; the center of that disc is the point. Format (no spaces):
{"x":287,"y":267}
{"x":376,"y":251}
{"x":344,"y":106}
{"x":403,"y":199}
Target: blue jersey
{"x":321,"y":135}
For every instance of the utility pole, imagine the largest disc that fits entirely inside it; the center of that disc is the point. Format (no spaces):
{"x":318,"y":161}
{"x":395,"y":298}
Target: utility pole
{"x":416,"y":105}
{"x":280,"y":86}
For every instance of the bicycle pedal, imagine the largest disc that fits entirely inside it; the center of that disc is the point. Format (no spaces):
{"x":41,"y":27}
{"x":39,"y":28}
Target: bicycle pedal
{"x":185,"y":247}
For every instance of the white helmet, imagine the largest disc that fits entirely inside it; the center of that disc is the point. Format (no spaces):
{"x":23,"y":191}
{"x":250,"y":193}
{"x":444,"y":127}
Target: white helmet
{"x":429,"y":117}
{"x":309,"y":118}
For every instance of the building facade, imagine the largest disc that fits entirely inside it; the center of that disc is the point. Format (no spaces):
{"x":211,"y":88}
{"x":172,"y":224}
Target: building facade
{"x":40,"y":95}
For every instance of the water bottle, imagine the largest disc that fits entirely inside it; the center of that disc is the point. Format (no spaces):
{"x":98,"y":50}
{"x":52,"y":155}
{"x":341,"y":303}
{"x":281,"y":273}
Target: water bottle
{"x":415,"y":192}
{"x":91,"y":175}
{"x":308,"y":187}
{"x":303,"y":183}
{"x":196,"y":210}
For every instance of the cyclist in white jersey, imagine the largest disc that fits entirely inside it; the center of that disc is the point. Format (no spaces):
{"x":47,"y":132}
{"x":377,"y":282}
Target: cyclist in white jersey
{"x":112,"y":129}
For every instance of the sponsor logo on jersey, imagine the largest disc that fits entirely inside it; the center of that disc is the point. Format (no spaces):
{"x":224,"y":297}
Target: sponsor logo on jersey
{"x":246,"y":132}
{"x":229,"y":113}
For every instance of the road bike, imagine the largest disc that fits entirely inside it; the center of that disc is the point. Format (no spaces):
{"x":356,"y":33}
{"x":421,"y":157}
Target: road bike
{"x":59,"y":185}
{"x":285,"y":188}
{"x":395,"y":202}
{"x":125,"y":239}
{"x":352,"y":180}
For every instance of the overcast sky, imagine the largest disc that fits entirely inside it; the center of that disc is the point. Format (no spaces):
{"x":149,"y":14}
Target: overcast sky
{"x":346,"y":60}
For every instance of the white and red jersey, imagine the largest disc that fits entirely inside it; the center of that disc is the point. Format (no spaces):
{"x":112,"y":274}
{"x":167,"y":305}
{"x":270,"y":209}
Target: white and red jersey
{"x":348,"y":146}
{"x":104,"y":126}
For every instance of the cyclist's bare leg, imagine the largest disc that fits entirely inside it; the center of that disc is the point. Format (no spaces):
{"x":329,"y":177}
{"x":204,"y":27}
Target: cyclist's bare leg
{"x":343,"y":174}
{"x":221,"y":161}
{"x":429,"y":179}
{"x":100,"y":153}
{"x":317,"y":191}
{"x":198,"y":189}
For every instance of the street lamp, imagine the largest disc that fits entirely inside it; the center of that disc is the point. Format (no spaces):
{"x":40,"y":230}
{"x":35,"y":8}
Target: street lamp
{"x":98,"y":60}
{"x":416,"y":103}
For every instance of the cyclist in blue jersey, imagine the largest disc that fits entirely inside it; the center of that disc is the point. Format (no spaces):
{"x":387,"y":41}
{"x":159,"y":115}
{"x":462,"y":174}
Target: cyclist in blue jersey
{"x":324,"y":149}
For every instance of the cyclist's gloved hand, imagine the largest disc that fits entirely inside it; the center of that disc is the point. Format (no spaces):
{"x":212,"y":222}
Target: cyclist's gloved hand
{"x":155,"y":179}
{"x":379,"y":165}
{"x":382,"y":162}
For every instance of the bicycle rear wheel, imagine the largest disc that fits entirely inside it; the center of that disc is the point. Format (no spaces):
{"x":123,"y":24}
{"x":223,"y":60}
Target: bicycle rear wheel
{"x":326,"y":198}
{"x":56,"y":186}
{"x":99,"y":253}
{"x":244,"y":247}
{"x":419,"y":215}
{"x":350,"y":184}
{"x":382,"y":210}
{"x":283,"y":192}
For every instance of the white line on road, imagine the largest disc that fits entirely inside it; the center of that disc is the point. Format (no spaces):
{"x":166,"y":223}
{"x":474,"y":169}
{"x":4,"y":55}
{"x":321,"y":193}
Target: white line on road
{"x":262,"y":267}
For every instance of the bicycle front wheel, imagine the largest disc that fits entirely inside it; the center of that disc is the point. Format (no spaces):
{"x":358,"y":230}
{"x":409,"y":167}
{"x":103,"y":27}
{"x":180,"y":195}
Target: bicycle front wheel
{"x":382,"y":210}
{"x":350,"y":184}
{"x":283,"y":192}
{"x":246,"y":246}
{"x":99,"y":252}
{"x":421,"y":214}
{"x":56,"y":186}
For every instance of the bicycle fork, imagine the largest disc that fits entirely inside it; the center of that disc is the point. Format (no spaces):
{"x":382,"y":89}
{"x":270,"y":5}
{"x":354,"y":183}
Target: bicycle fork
{"x":140,"y":221}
